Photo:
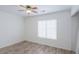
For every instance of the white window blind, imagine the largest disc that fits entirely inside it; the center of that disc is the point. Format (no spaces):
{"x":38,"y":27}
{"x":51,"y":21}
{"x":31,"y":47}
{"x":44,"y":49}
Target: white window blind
{"x":47,"y":29}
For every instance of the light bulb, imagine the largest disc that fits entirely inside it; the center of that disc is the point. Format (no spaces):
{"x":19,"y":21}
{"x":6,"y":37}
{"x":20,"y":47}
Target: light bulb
{"x":28,"y":11}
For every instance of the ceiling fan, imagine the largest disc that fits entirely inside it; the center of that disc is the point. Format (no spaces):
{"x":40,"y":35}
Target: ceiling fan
{"x":30,"y":9}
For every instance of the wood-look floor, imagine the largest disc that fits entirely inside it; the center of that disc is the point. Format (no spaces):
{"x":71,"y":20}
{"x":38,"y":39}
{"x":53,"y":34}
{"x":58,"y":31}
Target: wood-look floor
{"x":26,"y":47}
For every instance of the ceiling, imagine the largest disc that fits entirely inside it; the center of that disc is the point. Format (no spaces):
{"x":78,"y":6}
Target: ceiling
{"x":48,"y":9}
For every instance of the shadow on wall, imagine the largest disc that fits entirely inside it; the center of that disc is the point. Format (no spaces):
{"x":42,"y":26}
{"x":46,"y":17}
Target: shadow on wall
{"x":47,"y":29}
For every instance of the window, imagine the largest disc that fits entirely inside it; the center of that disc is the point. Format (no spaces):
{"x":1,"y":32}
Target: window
{"x":47,"y":29}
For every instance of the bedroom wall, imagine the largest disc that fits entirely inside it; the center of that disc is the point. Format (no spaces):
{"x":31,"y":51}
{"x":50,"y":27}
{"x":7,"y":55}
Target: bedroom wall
{"x":76,"y":18}
{"x":64,"y":30}
{"x":11,"y":29}
{"x":75,"y":27}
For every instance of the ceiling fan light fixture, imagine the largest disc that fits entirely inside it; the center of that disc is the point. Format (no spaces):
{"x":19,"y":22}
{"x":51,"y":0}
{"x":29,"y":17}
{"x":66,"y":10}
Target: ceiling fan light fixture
{"x":29,"y":11}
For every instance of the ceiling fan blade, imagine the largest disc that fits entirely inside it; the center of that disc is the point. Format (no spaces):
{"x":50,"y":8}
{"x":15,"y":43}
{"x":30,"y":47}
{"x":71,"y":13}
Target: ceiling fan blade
{"x":34,"y":7}
{"x":22,"y":6}
{"x":20,"y":10}
{"x":34,"y":11}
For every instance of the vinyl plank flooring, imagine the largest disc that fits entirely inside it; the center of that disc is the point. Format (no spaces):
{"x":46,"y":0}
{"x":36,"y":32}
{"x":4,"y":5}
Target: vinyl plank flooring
{"x":26,"y":47}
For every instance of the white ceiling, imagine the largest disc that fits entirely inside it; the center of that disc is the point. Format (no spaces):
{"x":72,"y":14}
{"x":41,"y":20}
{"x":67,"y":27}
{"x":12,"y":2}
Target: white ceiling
{"x":48,"y":9}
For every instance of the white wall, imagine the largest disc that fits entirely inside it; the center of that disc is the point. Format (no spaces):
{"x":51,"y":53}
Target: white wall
{"x":11,"y":29}
{"x":77,"y":43}
{"x":75,"y":27}
{"x":76,"y":18}
{"x":64,"y":30}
